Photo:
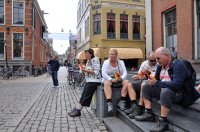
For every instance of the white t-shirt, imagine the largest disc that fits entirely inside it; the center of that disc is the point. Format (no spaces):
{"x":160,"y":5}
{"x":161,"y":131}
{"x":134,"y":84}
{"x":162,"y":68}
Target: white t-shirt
{"x":164,"y":75}
{"x":145,"y":65}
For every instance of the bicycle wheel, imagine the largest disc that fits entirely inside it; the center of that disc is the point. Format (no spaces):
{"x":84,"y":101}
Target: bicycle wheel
{"x":5,"y":76}
{"x":73,"y":82}
{"x":16,"y":74}
{"x":70,"y":80}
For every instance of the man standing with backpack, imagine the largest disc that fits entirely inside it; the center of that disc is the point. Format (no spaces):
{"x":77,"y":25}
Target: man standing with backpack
{"x":168,"y":86}
{"x":54,"y":63}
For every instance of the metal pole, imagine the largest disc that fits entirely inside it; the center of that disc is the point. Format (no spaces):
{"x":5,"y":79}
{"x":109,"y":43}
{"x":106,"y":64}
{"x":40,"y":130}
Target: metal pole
{"x":6,"y":54}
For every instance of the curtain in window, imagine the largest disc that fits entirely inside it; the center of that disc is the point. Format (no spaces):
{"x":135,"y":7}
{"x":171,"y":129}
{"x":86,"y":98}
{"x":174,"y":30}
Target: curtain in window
{"x":124,"y":23}
{"x":136,"y":24}
{"x":110,"y":22}
{"x":136,"y":28}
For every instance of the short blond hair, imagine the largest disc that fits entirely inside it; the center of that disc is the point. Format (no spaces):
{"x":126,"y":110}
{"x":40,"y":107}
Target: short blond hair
{"x":114,"y":50}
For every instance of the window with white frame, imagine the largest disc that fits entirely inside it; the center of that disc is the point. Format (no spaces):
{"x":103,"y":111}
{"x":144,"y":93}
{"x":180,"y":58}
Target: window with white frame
{"x":97,"y":24}
{"x":170,"y":29}
{"x":18,"y":45}
{"x":18,"y":13}
{"x":111,"y":26}
{"x":87,"y":27}
{"x":34,"y":17}
{"x":2,"y":45}
{"x":136,"y":27}
{"x":198,"y":28}
{"x":2,"y":12}
{"x":123,"y":26}
{"x":79,"y":36}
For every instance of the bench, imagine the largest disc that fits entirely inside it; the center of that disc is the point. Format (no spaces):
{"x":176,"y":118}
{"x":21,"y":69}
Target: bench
{"x":179,"y":119}
{"x":101,"y":104}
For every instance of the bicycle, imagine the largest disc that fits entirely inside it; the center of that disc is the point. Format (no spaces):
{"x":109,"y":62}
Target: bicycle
{"x":6,"y":73}
{"x":69,"y":75}
{"x":75,"y":78}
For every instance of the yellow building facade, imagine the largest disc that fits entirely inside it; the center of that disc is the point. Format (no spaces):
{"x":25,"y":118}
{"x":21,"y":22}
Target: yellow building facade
{"x":105,"y":24}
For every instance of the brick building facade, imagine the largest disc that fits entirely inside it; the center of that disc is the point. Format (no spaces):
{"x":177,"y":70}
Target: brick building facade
{"x":175,"y":23}
{"x":21,"y":34}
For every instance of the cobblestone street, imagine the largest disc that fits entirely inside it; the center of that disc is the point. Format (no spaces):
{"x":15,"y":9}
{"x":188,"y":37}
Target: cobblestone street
{"x":31,"y":104}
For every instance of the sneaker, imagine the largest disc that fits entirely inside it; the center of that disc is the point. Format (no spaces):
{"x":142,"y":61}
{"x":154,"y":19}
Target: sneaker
{"x":147,"y":116}
{"x":53,"y":86}
{"x":160,"y":126}
{"x":73,"y":109}
{"x":131,"y":110}
{"x":110,"y":106}
{"x":122,"y":105}
{"x":137,"y":112}
{"x":75,"y":113}
{"x":57,"y":86}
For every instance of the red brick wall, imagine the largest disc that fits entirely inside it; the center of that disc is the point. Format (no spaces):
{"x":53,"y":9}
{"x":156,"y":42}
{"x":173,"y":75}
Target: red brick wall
{"x":21,"y":29}
{"x":184,"y":21}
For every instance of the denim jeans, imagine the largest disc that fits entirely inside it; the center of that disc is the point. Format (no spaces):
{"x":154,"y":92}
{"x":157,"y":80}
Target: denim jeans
{"x":54,"y":75}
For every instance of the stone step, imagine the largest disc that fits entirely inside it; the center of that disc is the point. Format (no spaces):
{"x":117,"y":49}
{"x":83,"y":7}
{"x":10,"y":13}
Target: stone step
{"x":192,"y":112}
{"x":114,"y":124}
{"x":178,"y":118}
{"x":136,"y":125}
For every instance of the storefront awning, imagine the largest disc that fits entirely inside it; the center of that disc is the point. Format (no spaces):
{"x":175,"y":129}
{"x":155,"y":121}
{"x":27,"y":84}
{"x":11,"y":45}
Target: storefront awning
{"x":81,"y":55}
{"x":129,"y":53}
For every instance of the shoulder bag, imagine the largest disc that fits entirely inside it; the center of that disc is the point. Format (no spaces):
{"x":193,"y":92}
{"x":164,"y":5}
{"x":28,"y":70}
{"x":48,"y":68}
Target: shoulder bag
{"x":119,"y":83}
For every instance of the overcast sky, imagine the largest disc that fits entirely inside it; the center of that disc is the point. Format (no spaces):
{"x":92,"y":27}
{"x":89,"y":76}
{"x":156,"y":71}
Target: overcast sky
{"x":61,"y":14}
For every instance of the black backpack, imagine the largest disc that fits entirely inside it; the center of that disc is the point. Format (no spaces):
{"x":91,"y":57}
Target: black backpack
{"x":193,"y":74}
{"x":189,"y":93}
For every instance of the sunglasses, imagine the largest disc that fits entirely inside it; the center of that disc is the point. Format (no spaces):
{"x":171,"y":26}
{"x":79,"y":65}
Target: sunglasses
{"x":157,"y":58}
{"x":152,"y":60}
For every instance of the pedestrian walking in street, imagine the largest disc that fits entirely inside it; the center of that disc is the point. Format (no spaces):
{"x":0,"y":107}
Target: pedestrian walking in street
{"x":54,"y":64}
{"x":92,"y":77}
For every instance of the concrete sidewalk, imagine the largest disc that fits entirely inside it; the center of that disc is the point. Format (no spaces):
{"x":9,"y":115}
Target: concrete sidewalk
{"x":48,"y":112}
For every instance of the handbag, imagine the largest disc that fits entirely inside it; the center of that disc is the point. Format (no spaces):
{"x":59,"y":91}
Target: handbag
{"x":119,"y":83}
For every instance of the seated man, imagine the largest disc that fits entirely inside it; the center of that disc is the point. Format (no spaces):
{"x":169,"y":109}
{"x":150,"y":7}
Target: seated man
{"x":166,"y":86}
{"x":135,"y":87}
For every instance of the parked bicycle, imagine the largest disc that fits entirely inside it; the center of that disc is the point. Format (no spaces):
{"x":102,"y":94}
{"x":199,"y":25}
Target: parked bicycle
{"x":75,"y":78}
{"x":6,"y":73}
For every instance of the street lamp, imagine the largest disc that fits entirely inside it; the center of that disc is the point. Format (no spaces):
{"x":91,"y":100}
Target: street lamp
{"x":6,"y":53}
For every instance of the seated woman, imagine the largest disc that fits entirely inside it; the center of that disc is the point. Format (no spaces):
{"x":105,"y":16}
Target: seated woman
{"x":93,"y":78}
{"x":110,"y":67}
{"x":198,"y":88}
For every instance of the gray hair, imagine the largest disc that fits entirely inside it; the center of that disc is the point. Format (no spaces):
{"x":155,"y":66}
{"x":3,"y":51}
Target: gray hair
{"x":165,"y":51}
{"x":151,"y":53}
